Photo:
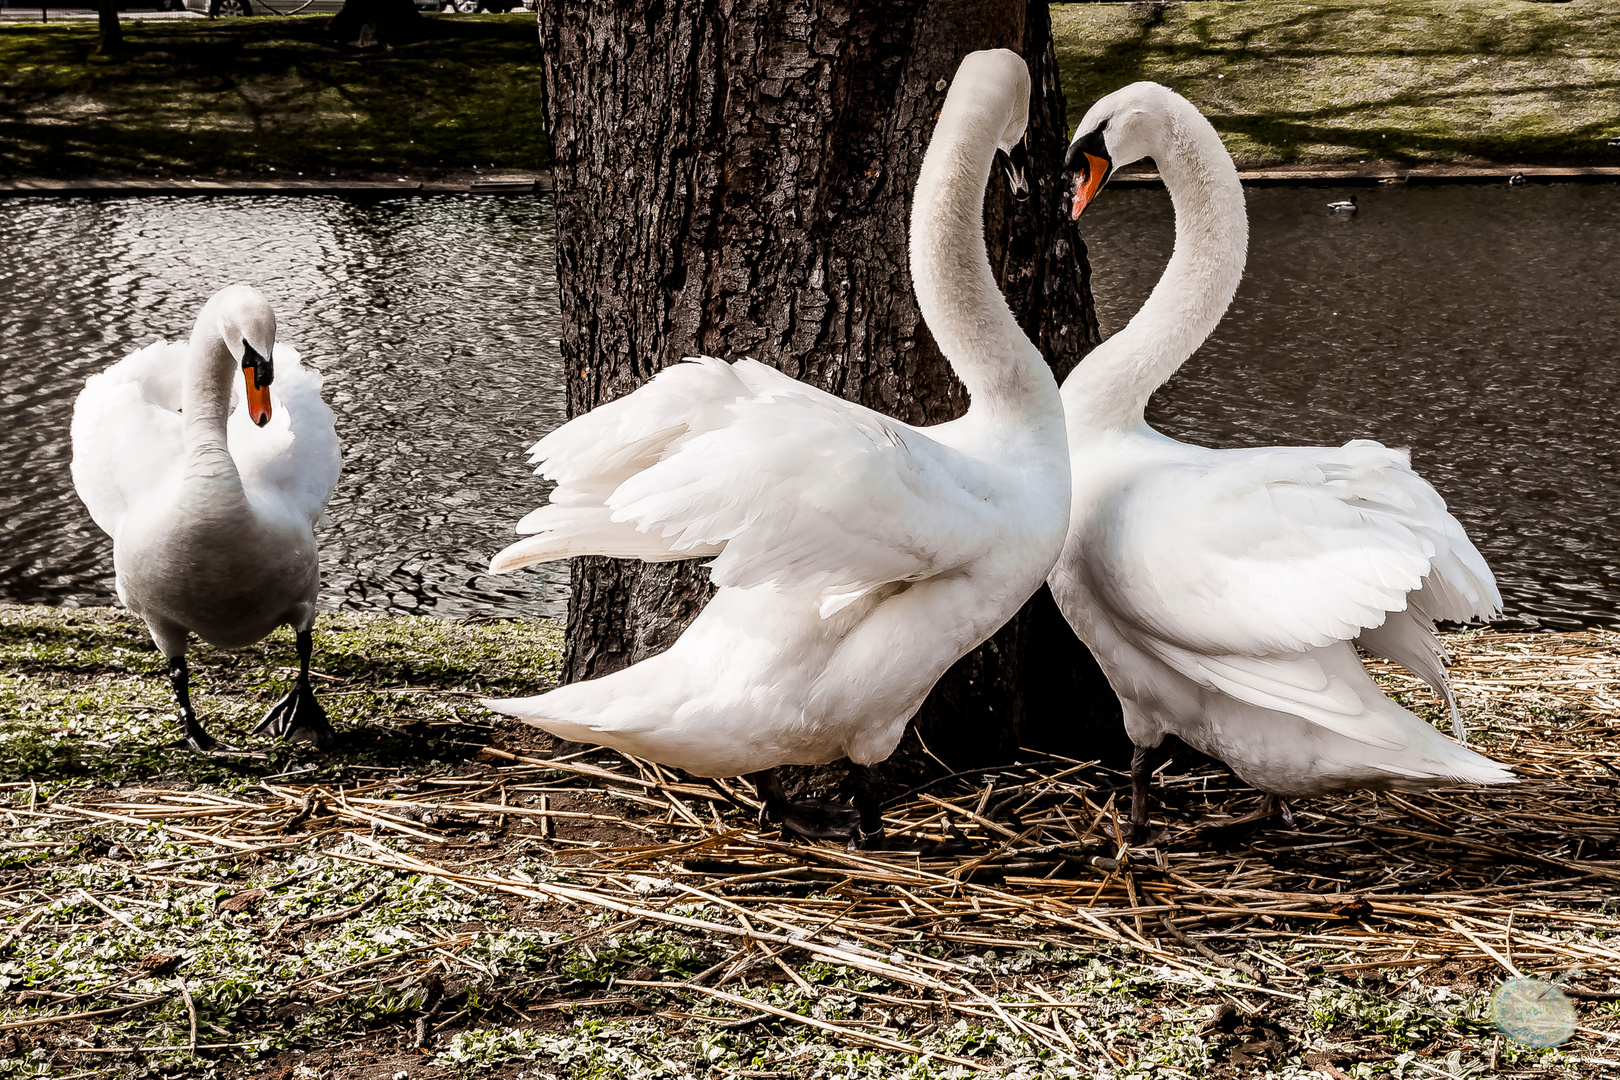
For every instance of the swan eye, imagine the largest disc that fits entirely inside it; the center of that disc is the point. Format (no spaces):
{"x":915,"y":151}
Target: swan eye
{"x":264,"y":371}
{"x":1091,"y":144}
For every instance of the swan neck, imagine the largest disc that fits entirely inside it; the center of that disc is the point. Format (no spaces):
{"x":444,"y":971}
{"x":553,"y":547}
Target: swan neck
{"x":956,"y":291}
{"x":205,"y":397}
{"x":1111,"y":387}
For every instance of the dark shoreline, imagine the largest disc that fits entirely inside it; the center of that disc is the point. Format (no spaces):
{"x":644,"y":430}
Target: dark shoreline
{"x":538,"y":182}
{"x":515,"y":183}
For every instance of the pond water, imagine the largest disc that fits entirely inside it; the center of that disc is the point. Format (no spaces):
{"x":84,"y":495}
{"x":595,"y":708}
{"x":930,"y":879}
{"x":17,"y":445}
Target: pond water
{"x":1478,"y":326}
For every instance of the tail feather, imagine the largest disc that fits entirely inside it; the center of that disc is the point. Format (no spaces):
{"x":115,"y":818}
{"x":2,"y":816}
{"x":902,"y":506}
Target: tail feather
{"x":1477,"y":769}
{"x":561,"y":532}
{"x":1408,"y":638}
{"x":531,"y":711}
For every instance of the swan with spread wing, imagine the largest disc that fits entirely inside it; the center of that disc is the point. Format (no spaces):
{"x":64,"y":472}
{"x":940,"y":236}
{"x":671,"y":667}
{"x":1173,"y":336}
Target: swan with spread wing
{"x":1223,"y":592}
{"x":857,"y":557}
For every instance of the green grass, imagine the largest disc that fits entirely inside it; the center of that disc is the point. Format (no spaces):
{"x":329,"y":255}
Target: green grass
{"x":301,"y":952}
{"x":83,"y":694}
{"x":270,"y":97}
{"x":1285,"y":81}
{"x":1342,"y":81}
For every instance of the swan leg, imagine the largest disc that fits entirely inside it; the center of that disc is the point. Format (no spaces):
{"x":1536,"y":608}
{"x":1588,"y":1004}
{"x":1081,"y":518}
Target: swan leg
{"x":298,"y":717}
{"x":810,"y":819}
{"x":1144,"y":760}
{"x":1283,"y":810}
{"x":867,"y":835}
{"x":193,"y":736}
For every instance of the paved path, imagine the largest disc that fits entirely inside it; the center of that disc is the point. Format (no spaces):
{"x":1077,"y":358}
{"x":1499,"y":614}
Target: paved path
{"x":13,"y":13}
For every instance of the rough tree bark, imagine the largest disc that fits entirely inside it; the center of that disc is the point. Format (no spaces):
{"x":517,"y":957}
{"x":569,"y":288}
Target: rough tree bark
{"x":735,"y":179}
{"x":110,"y":36}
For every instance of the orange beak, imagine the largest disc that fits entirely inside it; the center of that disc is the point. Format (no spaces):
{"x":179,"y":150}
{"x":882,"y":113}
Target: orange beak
{"x":258,"y":397}
{"x":1089,"y":183}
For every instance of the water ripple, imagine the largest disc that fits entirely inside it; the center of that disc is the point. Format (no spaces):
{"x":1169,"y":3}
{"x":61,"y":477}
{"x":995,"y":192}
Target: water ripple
{"x":1478,"y":326}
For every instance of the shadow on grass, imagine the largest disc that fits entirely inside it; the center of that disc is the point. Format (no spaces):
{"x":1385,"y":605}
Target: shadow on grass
{"x":1400,"y":80}
{"x":257,"y":95}
{"x":83,"y":696}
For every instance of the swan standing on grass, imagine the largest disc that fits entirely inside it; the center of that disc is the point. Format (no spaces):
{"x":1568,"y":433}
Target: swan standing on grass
{"x":857,"y":557}
{"x":1224,"y":591}
{"x":211,"y":508}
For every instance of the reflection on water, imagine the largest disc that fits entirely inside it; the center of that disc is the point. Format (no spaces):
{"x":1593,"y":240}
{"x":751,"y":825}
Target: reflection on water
{"x":433,"y":321}
{"x":1479,"y":326}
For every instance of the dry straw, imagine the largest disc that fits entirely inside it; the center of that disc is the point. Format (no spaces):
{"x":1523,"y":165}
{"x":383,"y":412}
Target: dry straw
{"x":1482,"y":882}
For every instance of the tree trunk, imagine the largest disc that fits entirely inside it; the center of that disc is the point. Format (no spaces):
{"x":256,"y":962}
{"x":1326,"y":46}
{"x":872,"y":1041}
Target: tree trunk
{"x":367,"y":24}
{"x":111,"y":35}
{"x":735,"y":179}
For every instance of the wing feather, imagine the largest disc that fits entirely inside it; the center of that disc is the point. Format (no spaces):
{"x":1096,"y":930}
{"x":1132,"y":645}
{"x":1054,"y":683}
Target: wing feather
{"x":783,"y":483}
{"x":1259,"y":552}
{"x":127,"y":431}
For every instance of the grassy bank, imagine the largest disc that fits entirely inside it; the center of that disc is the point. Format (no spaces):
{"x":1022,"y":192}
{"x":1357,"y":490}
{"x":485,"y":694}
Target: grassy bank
{"x":83,"y":696}
{"x":438,"y":899}
{"x":269,"y":97}
{"x":1329,"y":81}
{"x":1319,"y":81}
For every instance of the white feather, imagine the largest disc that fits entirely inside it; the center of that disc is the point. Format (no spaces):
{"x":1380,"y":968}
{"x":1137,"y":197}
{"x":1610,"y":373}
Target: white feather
{"x":1221,"y":590}
{"x":857,"y":557}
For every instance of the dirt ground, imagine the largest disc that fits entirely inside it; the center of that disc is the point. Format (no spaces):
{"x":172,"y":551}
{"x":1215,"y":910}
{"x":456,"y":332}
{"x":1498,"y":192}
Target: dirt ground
{"x":446,"y":896}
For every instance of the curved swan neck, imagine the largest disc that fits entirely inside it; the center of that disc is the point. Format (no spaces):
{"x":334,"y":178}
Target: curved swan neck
{"x":1111,"y":387}
{"x":950,"y":268}
{"x":205,"y":391}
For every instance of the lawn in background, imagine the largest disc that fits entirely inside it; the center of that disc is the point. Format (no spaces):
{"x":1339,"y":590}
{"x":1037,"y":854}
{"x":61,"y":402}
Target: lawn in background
{"x":1344,"y":81}
{"x":269,"y":97}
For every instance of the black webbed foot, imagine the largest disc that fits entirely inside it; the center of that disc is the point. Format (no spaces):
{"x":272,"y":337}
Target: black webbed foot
{"x":193,"y":736}
{"x":808,"y":819}
{"x":812,"y":819}
{"x":298,"y":718}
{"x":1270,"y":806}
{"x":822,"y":819}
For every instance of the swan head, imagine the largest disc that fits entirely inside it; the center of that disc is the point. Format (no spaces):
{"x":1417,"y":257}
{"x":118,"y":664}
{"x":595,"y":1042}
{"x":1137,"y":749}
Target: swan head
{"x":1130,"y":124}
{"x":247,"y":326}
{"x":999,"y":79}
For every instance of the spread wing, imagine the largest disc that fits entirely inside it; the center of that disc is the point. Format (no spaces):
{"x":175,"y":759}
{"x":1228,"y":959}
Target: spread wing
{"x":127,"y":431}
{"x":1256,"y":552}
{"x":782,"y":483}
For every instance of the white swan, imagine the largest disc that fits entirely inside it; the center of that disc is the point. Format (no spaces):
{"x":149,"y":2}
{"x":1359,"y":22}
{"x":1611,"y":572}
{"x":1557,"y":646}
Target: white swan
{"x":1223,"y":591}
{"x":212,"y":509}
{"x":857,"y":557}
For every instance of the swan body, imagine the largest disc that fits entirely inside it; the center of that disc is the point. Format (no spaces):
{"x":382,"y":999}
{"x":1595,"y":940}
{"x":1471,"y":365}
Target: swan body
{"x":857,"y":557}
{"x":1343,"y":206}
{"x":211,"y":494}
{"x":1223,"y":592}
